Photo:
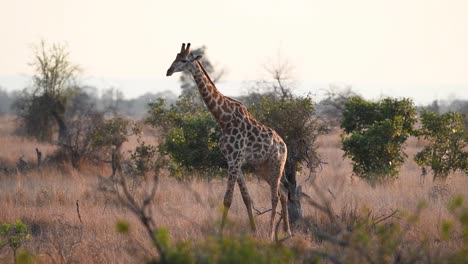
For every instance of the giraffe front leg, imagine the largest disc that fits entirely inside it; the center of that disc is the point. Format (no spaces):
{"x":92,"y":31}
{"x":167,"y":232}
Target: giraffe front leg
{"x":228,"y":198}
{"x":247,"y":201}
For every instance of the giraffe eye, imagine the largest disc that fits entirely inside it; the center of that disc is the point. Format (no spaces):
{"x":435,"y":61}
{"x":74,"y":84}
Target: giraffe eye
{"x":184,"y":61}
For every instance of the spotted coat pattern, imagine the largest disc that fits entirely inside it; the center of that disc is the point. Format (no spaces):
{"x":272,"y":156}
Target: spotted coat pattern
{"x":244,"y":140}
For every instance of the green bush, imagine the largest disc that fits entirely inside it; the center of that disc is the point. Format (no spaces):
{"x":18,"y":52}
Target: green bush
{"x":222,"y":250}
{"x":446,"y":151}
{"x":374,"y":133}
{"x":190,"y":137}
{"x":194,"y":146}
{"x":13,"y":236}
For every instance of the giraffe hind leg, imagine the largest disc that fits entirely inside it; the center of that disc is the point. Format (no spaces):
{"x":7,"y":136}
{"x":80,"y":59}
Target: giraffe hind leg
{"x":274,"y":204}
{"x":285,"y":212}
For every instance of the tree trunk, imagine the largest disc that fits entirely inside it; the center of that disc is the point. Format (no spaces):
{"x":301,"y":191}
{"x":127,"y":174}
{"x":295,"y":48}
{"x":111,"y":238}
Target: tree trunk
{"x":63,"y":129}
{"x":39,"y":157}
{"x":294,"y":192}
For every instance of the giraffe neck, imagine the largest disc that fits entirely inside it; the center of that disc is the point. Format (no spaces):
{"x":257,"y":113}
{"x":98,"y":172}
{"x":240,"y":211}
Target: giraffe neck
{"x":210,"y":94}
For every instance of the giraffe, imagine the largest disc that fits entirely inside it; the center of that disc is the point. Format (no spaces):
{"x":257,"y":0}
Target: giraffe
{"x":244,"y":140}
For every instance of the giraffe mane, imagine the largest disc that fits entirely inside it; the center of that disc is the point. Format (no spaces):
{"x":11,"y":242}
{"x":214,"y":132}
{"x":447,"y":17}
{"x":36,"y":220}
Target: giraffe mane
{"x":206,"y":73}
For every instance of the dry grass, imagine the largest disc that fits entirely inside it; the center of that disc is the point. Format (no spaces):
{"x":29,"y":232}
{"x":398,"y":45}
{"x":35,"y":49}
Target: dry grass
{"x":46,"y":200}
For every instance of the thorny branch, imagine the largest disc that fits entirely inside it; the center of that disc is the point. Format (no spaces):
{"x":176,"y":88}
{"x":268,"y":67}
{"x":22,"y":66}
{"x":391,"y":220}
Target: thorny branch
{"x":118,"y":186}
{"x":342,"y":238}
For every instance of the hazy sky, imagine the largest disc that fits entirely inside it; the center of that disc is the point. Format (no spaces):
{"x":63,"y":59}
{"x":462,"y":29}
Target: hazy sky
{"x":367,"y":43}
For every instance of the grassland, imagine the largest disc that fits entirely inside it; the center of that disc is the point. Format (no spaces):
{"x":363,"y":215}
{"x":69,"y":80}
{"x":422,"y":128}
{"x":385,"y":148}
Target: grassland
{"x":46,"y":199}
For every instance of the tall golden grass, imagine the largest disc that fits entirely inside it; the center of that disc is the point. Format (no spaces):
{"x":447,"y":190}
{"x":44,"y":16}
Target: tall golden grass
{"x":46,"y":199}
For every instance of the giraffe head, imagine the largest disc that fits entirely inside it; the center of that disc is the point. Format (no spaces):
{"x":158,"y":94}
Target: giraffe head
{"x":183,"y":60}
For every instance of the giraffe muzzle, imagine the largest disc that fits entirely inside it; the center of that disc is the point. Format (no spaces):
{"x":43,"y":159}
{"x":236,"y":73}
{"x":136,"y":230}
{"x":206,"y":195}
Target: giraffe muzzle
{"x":169,"y":72}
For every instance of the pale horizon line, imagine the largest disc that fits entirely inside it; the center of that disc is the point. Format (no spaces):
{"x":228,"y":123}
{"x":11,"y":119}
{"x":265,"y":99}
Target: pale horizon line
{"x":135,"y":86}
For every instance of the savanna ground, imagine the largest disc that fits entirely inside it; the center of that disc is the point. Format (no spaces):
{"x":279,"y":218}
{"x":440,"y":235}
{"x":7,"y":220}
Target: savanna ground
{"x":46,"y":200}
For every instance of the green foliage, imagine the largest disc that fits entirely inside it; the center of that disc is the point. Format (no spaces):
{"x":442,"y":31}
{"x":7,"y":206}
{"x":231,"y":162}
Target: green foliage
{"x":225,"y":250}
{"x":460,"y":211}
{"x":112,"y":132}
{"x":446,"y":229}
{"x":14,"y":235}
{"x":446,"y":151}
{"x":25,"y":257}
{"x":144,"y":157}
{"x":110,"y":136}
{"x":374,"y":133}
{"x":162,"y":235}
{"x":191,"y":137}
{"x":244,"y":250}
{"x":122,"y":226}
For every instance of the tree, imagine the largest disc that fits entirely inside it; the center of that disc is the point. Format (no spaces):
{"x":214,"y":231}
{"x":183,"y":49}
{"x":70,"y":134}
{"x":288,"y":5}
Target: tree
{"x":295,"y":121}
{"x":373,"y":136}
{"x":446,"y":151}
{"x":53,"y":84}
{"x":80,"y":120}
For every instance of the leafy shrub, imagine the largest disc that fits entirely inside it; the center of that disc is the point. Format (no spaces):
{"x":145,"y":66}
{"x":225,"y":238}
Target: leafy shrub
{"x":13,"y":236}
{"x":446,"y":151}
{"x":373,"y":136}
{"x":191,"y":137}
{"x":460,"y":211}
{"x":221,"y":250}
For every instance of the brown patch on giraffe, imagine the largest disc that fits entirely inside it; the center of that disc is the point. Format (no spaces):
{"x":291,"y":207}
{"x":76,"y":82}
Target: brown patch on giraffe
{"x":225,"y":107}
{"x":257,"y":146}
{"x":242,"y":126}
{"x":219,"y":100}
{"x":211,"y":105}
{"x":205,"y":94}
{"x":225,"y":118}
{"x":216,"y":112}
{"x":210,"y":88}
{"x":229,"y":148}
{"x":235,"y":122}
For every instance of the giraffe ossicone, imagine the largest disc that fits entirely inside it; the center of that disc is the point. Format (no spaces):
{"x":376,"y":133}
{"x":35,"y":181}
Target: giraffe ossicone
{"x":244,"y":140}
